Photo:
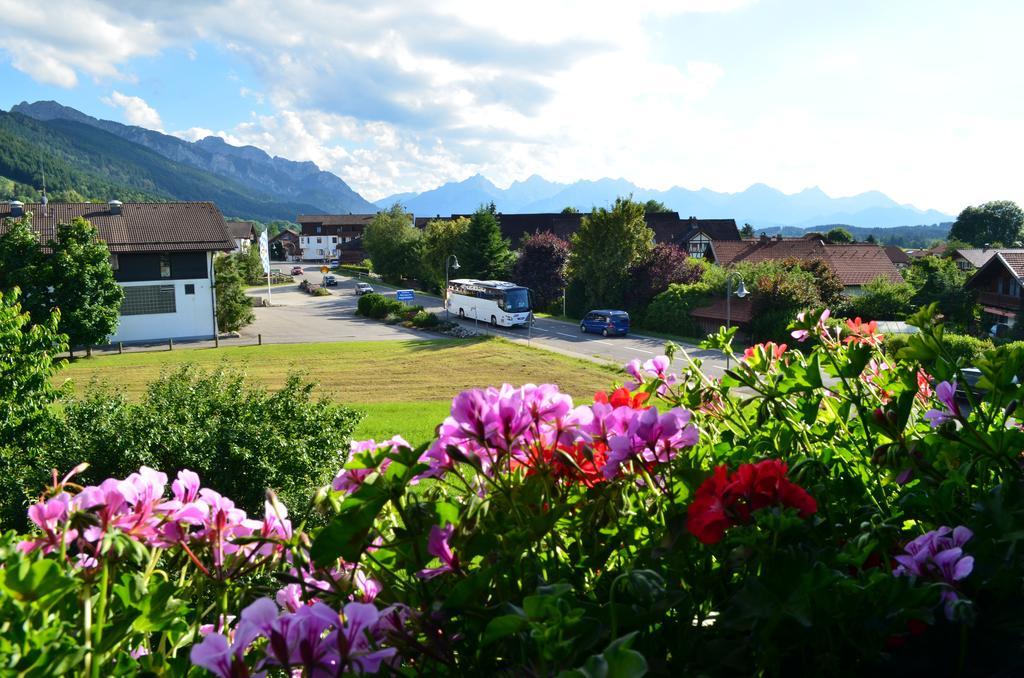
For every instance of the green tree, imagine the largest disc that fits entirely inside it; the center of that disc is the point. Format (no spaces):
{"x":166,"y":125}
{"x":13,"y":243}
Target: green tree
{"x":939,"y":279}
{"x":250,"y":266}
{"x":483,"y":253}
{"x":234,"y":310}
{"x":838,"y":235}
{"x":392,"y":242}
{"x":23,"y":265}
{"x":882,"y":299}
{"x":27,"y":365}
{"x":83,"y":285}
{"x":441,"y":238}
{"x":277,"y":252}
{"x":607,"y":245}
{"x":996,"y":222}
{"x":747,"y":231}
{"x":871,"y":239}
{"x":570,"y":210}
{"x":653,"y":206}
{"x":830,"y":287}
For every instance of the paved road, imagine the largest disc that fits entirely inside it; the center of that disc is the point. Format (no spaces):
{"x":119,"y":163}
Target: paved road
{"x":297,"y":317}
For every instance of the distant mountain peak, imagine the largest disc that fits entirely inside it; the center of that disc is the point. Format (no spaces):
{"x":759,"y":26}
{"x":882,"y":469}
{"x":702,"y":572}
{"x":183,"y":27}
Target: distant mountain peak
{"x":274,"y":178}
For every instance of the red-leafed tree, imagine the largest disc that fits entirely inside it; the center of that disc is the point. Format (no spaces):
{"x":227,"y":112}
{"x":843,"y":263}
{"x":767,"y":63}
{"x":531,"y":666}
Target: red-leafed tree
{"x":665,"y":265}
{"x":541,"y":266}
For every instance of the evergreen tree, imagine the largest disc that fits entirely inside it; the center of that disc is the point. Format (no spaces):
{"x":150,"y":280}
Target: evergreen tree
{"x":233,"y":308}
{"x":483,"y":253}
{"x":608,"y":244}
{"x":22,"y":265}
{"x":82,"y":283}
{"x":747,"y":231}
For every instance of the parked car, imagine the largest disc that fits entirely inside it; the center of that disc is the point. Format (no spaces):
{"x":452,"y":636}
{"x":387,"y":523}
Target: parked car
{"x":363,"y":288}
{"x":330,"y":281}
{"x":606,"y":322}
{"x":297,"y":270}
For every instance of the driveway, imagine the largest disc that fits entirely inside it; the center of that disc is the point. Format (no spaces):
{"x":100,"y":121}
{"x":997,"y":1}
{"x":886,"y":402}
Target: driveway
{"x":298,"y":317}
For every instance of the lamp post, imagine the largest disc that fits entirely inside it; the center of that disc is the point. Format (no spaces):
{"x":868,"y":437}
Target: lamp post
{"x":448,"y":262}
{"x":741,"y":291}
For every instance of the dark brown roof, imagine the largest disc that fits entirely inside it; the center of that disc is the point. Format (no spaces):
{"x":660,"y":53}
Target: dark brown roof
{"x":241,"y":229}
{"x":335,"y":219}
{"x":286,"y":234}
{"x":854,"y":264}
{"x":333,"y":224}
{"x":896,"y":255}
{"x":978,"y":257}
{"x":140,"y":227}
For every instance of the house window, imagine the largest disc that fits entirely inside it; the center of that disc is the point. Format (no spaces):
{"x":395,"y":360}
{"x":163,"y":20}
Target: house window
{"x":698,"y":245}
{"x":334,"y":238}
{"x":190,"y":288}
{"x":319,"y":240}
{"x":148,"y":299}
{"x":114,"y":264}
{"x":318,"y":230}
{"x":963,"y":265}
{"x":165,"y":266}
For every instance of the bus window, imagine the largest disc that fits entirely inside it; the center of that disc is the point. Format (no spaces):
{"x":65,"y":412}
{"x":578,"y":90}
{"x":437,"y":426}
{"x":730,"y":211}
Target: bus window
{"x":517,"y":300}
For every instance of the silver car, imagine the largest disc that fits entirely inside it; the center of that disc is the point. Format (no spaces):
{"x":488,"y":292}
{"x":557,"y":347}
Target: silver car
{"x":363,"y":288}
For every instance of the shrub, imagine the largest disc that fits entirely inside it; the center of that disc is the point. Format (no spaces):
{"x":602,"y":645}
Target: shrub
{"x":963,"y":348}
{"x":425,"y":319}
{"x":670,"y":310}
{"x":882,"y":300}
{"x":241,"y":438}
{"x":375,"y":305}
{"x":321,"y":292}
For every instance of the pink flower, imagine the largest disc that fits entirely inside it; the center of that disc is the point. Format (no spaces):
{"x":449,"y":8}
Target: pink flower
{"x":945,"y":392}
{"x":438,"y":546}
{"x":651,"y":437}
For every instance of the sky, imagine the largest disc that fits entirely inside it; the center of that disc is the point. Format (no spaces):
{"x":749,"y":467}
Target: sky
{"x":921,"y":99}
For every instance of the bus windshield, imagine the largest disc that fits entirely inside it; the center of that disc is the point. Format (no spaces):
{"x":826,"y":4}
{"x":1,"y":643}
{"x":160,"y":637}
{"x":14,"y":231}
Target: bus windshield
{"x":517,"y":300}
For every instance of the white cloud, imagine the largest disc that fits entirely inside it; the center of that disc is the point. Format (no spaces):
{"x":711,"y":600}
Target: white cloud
{"x":135,"y":110}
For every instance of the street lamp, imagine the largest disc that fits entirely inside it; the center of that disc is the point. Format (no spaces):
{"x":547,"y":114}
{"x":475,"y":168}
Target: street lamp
{"x":741,"y":291}
{"x":448,"y":262}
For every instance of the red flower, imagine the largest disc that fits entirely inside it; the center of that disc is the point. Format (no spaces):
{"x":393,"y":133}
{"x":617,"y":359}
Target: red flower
{"x":863,"y":333}
{"x":724,"y":500}
{"x":622,"y":397}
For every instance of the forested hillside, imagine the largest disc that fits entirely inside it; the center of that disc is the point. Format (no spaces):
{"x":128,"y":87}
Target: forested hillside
{"x":83,"y":162}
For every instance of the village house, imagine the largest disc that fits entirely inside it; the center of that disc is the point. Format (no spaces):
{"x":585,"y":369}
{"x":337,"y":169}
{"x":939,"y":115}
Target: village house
{"x":998,"y":285}
{"x":855,"y":264}
{"x":289,"y":240}
{"x":162,"y":255}
{"x":323,"y":234}
{"x":243,"y":234}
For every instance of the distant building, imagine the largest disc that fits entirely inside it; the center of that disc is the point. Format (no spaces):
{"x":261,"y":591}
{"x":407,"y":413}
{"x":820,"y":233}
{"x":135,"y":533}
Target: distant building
{"x":289,"y":243}
{"x":693,"y":234}
{"x":897,"y":256}
{"x":855,"y":264}
{"x":323,"y":234}
{"x":243,"y":233}
{"x":162,"y":255}
{"x":998,"y":284}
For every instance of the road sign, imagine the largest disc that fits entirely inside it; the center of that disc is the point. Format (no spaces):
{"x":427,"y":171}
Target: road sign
{"x":405,"y":295}
{"x":324,"y":269}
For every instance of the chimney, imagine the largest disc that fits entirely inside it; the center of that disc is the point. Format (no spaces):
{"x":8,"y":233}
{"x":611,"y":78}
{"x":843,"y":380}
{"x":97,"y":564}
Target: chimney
{"x":115,"y":206}
{"x":17,"y":208}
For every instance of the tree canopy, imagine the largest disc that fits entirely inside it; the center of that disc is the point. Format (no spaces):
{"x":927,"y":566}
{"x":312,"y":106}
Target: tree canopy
{"x":839,"y":235}
{"x":653,"y":206}
{"x":541,"y":266}
{"x":441,"y":238}
{"x":996,"y":223}
{"x":607,"y":245}
{"x":392,"y":242}
{"x":747,"y":231}
{"x":483,"y":253}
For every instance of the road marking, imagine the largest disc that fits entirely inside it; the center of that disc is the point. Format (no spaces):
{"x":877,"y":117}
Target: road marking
{"x":640,"y":350}
{"x":563,"y":334}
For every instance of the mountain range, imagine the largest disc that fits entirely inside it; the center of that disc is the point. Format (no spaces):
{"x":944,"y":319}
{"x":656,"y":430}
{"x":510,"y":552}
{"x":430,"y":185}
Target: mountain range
{"x":760,"y":205}
{"x":102,"y":159}
{"x":274,"y":179}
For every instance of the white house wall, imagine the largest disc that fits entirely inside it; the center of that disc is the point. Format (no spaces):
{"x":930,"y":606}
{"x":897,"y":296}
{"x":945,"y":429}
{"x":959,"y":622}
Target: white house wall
{"x":192,"y":319}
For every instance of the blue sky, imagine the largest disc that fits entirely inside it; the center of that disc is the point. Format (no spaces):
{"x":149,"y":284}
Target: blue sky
{"x":919,"y":99}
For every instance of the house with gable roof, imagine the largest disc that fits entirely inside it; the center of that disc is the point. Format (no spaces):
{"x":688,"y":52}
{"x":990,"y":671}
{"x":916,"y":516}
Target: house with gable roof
{"x":999,"y":284}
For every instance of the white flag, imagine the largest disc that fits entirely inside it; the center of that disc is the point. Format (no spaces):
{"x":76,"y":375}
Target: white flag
{"x":265,"y":252}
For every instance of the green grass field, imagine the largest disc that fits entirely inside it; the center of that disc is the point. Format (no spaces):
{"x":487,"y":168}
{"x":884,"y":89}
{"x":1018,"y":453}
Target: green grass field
{"x":404,"y":387}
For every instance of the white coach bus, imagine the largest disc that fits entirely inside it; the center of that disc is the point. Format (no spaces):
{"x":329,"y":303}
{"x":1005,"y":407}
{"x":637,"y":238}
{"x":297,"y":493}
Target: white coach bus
{"x":490,"y":301}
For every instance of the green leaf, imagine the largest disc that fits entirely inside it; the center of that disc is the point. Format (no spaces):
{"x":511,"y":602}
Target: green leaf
{"x":617,"y":661}
{"x":32,"y":581}
{"x":502,"y":627}
{"x":345,"y":536}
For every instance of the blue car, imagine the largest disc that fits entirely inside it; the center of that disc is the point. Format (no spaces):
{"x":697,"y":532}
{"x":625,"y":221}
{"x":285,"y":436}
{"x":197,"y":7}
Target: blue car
{"x":606,"y":323}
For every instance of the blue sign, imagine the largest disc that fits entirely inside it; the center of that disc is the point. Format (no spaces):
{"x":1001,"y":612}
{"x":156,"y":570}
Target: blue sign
{"x":405,"y":295}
